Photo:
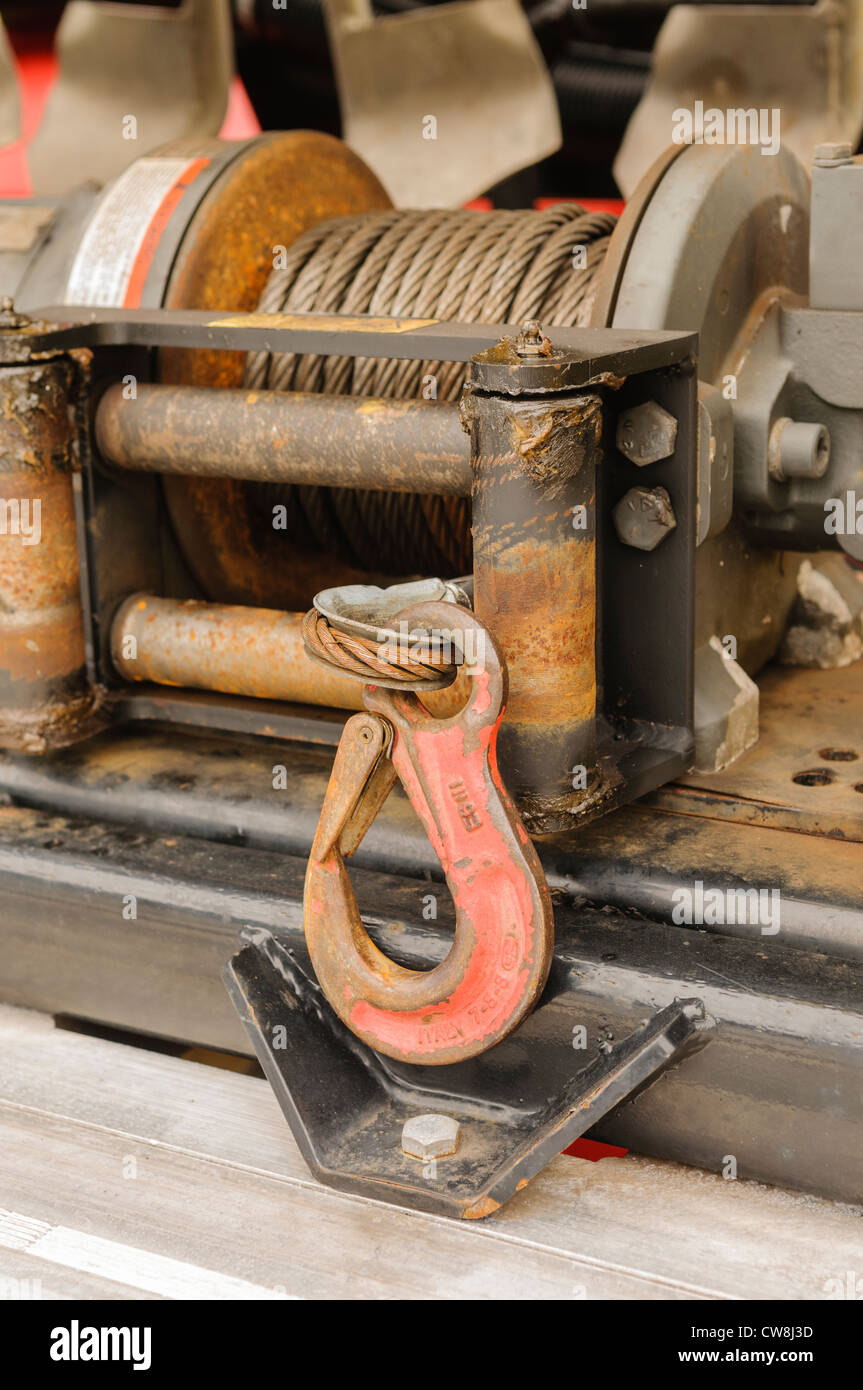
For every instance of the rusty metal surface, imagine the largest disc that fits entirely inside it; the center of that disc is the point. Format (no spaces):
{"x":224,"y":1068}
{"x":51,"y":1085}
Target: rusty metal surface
{"x":267,"y":197}
{"x":363,"y":657}
{"x":44,"y":695}
{"x":256,"y":652}
{"x":286,"y":436}
{"x":366,"y":631}
{"x":806,"y":771}
{"x":241,"y":651}
{"x":504,"y":930}
{"x":535,"y":587}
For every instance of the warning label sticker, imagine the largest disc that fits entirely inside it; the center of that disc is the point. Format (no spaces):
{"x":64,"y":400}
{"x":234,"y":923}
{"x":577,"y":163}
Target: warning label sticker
{"x":117,"y":250}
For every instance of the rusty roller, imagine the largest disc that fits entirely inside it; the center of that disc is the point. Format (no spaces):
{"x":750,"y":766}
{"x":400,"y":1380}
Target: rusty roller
{"x":46,"y":698}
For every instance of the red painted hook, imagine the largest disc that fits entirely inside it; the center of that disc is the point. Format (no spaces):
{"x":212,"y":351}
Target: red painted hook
{"x":500,"y":957}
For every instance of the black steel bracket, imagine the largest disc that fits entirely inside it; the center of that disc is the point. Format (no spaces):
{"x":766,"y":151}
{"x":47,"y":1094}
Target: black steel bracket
{"x":594,"y":353}
{"x":346,"y":1106}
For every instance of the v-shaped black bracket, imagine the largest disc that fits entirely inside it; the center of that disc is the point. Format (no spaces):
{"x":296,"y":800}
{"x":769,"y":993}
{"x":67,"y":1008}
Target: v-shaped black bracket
{"x":347,"y":1105}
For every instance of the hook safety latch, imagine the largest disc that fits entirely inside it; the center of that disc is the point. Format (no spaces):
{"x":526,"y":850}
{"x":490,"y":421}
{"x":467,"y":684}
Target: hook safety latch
{"x":500,"y":957}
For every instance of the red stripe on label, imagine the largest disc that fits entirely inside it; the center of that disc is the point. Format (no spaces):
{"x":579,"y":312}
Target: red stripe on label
{"x":153,"y":234}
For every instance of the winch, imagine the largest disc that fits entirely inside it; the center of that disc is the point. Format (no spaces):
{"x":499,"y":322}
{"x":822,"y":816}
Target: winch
{"x":439,"y":540}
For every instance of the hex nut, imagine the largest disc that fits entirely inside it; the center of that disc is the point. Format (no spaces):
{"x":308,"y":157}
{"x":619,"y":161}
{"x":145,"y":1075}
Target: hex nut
{"x":531,"y":341}
{"x":430,"y":1136}
{"x":643,"y":517}
{"x":646,"y":433}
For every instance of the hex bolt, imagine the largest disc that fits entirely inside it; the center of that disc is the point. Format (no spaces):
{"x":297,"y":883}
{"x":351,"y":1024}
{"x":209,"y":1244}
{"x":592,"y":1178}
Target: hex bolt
{"x":430,"y":1136}
{"x":643,"y":517}
{"x":646,"y":433}
{"x":797,"y":449}
{"x":531,"y":341}
{"x":832,"y":154}
{"x":9,"y":317}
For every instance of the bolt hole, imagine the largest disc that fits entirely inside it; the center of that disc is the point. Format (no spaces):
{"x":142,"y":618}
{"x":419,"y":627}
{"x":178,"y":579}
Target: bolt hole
{"x":839,"y":755}
{"x":816,"y":777}
{"x":858,"y":786}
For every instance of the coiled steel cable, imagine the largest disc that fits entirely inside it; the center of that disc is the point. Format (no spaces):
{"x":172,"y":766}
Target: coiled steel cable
{"x":469,"y":267}
{"x":362,"y":655}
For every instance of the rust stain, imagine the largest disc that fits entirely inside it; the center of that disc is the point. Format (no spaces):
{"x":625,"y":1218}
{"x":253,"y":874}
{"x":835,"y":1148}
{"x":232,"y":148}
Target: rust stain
{"x":43,"y":690}
{"x":487,"y":1206}
{"x":268,"y":197}
{"x":239,"y":651}
{"x":540,"y":601}
{"x":555,"y":440}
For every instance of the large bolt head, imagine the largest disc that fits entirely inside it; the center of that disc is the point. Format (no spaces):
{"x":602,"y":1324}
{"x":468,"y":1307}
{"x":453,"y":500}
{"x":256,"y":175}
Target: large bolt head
{"x":430,"y":1136}
{"x":646,"y":433}
{"x":643,"y":517}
